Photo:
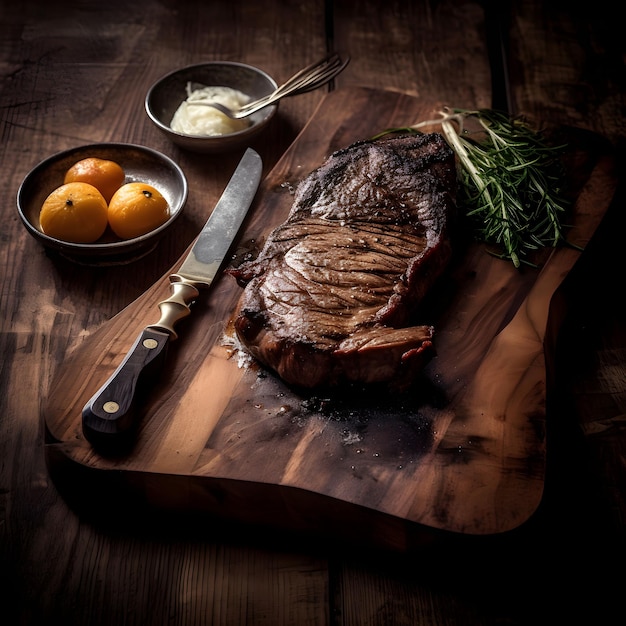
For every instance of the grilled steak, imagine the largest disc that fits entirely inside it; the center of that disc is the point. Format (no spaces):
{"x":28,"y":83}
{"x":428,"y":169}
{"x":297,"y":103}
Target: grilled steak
{"x":331,"y":296}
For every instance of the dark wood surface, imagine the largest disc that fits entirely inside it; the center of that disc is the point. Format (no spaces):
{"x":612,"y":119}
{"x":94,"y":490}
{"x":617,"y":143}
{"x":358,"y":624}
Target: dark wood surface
{"x":75,"y":73}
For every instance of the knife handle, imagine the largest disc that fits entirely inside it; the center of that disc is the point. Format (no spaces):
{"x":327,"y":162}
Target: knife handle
{"x":109,"y":418}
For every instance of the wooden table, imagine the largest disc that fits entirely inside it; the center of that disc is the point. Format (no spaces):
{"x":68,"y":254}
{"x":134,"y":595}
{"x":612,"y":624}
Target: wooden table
{"x":77,"y":73}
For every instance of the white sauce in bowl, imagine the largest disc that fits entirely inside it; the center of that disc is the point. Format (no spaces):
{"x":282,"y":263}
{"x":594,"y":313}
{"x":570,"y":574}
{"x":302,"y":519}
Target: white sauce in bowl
{"x":194,"y":119}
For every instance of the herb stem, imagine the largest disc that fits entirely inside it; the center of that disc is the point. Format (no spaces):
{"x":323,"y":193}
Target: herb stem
{"x":510,"y":180}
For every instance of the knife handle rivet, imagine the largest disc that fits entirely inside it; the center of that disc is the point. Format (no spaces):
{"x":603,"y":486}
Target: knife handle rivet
{"x":150,"y":344}
{"x":111,"y":407}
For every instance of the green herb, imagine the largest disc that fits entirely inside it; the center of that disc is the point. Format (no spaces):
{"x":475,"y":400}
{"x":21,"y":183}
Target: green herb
{"x":511,"y":180}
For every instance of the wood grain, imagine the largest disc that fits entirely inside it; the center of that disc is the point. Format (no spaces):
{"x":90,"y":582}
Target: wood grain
{"x":464,"y":452}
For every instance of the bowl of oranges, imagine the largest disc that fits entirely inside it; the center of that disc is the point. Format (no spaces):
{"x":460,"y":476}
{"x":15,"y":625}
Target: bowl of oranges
{"x":102,"y":203}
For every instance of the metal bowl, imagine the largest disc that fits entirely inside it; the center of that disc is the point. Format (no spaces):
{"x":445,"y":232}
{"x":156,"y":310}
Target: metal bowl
{"x":139,"y":163}
{"x":167,"y":93}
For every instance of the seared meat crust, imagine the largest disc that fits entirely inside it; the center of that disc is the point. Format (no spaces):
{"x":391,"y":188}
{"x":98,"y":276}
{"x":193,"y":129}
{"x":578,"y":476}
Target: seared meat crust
{"x":331,"y":295}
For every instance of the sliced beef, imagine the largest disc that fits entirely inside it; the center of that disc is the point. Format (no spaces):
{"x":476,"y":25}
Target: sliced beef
{"x":331,"y":296}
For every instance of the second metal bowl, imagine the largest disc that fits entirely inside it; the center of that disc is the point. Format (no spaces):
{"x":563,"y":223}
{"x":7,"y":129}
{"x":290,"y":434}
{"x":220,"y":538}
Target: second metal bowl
{"x":167,"y":93}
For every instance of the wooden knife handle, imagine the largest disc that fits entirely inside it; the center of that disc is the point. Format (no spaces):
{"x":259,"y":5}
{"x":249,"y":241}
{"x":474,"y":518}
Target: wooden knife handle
{"x":110,"y":416}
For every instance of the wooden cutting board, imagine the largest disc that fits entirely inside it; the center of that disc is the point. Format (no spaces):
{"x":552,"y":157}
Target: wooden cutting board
{"x":465,"y":451}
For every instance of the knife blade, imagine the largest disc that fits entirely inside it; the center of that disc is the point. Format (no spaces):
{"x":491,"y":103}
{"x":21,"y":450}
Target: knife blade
{"x":110,"y":417}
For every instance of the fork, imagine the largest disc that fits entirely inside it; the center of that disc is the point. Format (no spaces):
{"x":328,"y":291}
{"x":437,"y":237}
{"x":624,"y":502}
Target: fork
{"x":307,"y":79}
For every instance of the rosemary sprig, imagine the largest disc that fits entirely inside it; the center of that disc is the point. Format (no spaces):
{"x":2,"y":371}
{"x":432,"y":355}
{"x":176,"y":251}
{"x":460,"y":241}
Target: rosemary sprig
{"x":511,"y":180}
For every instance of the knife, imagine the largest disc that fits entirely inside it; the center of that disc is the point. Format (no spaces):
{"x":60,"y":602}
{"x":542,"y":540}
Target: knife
{"x":110,"y":417}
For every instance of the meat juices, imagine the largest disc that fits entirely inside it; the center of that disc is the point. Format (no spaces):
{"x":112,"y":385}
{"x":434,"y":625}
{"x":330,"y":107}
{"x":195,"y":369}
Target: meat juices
{"x":330,"y":298}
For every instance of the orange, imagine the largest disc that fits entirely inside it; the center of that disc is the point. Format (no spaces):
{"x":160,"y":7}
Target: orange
{"x":135,"y":209}
{"x":106,"y":176}
{"x":74,"y":212}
